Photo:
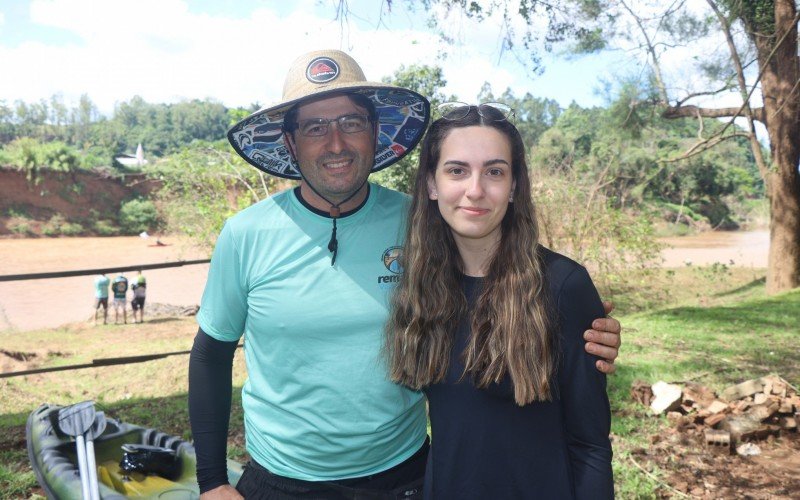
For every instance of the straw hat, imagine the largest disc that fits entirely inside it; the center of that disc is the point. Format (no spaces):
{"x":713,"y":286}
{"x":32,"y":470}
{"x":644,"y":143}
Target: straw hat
{"x":402,"y":114}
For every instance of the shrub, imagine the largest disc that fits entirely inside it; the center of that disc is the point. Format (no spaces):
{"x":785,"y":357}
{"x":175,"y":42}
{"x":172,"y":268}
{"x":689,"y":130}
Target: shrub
{"x":20,"y":227}
{"x":59,"y":226}
{"x":105,"y":227}
{"x":136,"y":216}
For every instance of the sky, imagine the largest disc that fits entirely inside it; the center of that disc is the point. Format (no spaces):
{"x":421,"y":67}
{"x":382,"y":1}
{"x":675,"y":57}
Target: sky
{"x":237,"y":52}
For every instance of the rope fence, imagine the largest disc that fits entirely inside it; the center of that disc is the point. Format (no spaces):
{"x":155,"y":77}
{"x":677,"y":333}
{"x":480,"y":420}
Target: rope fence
{"x":89,"y":272}
{"x":127,"y":360}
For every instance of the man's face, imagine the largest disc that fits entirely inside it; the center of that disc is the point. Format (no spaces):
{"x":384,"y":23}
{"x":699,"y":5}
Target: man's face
{"x":336,"y":163}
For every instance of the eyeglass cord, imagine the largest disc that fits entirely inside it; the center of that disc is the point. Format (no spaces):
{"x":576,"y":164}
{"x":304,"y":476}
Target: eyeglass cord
{"x":335,"y":212}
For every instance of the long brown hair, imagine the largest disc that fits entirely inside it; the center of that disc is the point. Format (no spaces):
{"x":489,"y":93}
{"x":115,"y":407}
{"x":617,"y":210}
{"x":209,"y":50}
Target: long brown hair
{"x":511,"y":326}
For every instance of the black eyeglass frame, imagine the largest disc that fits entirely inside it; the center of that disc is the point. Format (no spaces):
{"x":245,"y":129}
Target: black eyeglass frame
{"x":455,"y":110}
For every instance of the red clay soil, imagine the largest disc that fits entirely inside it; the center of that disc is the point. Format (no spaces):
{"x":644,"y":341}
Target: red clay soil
{"x":71,"y":195}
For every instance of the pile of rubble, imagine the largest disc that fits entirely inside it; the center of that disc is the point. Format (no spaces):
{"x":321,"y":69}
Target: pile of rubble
{"x":732,"y":421}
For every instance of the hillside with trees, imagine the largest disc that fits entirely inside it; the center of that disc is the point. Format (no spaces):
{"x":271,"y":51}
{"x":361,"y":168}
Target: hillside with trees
{"x":614,"y":167}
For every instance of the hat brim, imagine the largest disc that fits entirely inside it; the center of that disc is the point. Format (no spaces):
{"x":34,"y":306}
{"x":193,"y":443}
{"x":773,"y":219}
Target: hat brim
{"x":402,"y":117}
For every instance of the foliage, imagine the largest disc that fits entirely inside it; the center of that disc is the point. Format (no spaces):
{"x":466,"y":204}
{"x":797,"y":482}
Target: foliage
{"x":161,"y":128}
{"x":577,"y":219}
{"x":636,"y":167}
{"x":32,"y":156}
{"x":59,"y":226}
{"x":105,"y":227}
{"x":203,"y":185}
{"x":136,"y":216}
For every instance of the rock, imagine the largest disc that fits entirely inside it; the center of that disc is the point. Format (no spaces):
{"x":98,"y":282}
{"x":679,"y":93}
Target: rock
{"x":716,"y":406}
{"x":739,"y":391}
{"x":666,"y":397}
{"x":748,"y":449}
{"x":762,"y":412}
{"x":714,"y":419}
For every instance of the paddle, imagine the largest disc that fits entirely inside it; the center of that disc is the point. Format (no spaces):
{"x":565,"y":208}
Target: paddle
{"x":97,"y":428}
{"x":74,"y":421}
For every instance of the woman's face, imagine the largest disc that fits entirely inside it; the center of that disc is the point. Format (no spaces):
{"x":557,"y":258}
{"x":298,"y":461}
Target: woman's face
{"x":473,"y":183}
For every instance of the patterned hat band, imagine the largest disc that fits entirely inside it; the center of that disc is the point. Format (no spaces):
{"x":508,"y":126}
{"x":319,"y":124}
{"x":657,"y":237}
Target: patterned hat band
{"x":402,"y":114}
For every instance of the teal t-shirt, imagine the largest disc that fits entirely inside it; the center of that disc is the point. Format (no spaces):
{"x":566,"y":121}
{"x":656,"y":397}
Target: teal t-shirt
{"x":101,"y":287}
{"x":317,"y":402}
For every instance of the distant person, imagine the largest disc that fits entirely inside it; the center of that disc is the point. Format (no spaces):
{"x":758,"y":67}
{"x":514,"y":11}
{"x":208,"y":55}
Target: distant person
{"x":120,"y":288}
{"x":101,"y":296}
{"x":139,"y":291}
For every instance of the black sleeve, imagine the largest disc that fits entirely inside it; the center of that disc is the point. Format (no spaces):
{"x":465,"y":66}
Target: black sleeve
{"x":210,"y":386}
{"x":583,"y":390}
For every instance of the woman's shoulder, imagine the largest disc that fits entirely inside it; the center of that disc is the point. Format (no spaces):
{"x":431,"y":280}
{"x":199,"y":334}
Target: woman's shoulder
{"x":557,"y":265}
{"x":562,"y":273}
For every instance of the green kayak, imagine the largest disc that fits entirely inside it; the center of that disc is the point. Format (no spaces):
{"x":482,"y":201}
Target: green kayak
{"x":132,"y":461}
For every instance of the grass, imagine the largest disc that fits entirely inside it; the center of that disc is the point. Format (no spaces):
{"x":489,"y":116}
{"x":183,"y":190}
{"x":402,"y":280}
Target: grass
{"x":711,"y":325}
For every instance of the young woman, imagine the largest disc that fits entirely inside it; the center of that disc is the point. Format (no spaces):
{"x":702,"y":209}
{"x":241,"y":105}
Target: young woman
{"x":488,"y":323}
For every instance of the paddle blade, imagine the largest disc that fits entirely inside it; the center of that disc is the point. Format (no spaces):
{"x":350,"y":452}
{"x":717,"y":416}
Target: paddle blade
{"x":75,"y":420}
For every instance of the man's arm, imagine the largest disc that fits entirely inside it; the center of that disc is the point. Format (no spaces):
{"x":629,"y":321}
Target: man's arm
{"x":604,"y":340}
{"x":210,"y":386}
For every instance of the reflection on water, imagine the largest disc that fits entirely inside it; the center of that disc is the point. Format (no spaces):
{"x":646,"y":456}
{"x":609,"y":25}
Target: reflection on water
{"x":736,"y":248}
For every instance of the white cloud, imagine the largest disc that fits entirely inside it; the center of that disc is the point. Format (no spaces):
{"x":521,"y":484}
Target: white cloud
{"x":161,"y":51}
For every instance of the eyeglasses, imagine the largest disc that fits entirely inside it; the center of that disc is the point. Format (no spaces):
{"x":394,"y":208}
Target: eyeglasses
{"x":492,"y":111}
{"x":348,"y":124}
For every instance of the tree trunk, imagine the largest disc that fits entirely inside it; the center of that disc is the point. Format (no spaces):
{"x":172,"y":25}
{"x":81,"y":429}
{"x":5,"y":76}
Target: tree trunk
{"x":781,"y":92}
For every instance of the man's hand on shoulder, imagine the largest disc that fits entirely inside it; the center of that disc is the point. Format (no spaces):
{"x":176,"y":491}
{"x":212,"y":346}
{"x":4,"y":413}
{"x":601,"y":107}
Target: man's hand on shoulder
{"x":224,"y":492}
{"x":604,"y":339}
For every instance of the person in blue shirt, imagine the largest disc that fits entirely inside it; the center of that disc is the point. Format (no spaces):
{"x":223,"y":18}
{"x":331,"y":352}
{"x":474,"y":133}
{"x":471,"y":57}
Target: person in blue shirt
{"x":101,"y":297}
{"x":305,"y":277}
{"x":489,"y":324}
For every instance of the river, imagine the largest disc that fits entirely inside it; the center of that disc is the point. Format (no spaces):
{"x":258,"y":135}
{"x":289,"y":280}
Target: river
{"x":27,"y":305}
{"x":734,"y":248}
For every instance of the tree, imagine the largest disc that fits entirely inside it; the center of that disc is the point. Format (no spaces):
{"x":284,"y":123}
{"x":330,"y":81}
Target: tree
{"x":761,"y":37}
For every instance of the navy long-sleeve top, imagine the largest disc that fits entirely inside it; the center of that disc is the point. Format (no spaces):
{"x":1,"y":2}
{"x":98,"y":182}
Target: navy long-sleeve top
{"x":484,"y":445}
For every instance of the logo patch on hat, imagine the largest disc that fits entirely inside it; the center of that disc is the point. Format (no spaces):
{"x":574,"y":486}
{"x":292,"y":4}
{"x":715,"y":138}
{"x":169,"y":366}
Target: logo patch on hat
{"x":322,"y":70}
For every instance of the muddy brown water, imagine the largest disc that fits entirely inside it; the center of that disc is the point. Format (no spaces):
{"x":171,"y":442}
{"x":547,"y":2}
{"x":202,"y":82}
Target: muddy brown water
{"x":28,"y":305}
{"x":735,"y":248}
{"x":32,"y":304}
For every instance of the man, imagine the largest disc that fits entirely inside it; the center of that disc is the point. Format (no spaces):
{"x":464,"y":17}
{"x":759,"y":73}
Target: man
{"x":101,"y":296}
{"x":120,"y":289}
{"x":139,"y":292}
{"x":305,"y":275}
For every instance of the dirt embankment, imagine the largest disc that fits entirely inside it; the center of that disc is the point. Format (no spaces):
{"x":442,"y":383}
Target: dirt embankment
{"x":78,"y":197}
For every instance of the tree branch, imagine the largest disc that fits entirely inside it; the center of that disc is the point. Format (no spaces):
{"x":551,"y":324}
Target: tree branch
{"x":693,"y":111}
{"x":651,"y":50}
{"x":703,"y":146}
{"x":679,"y":103}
